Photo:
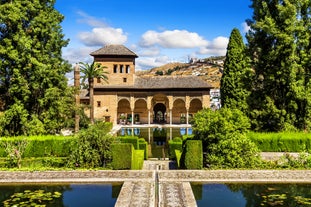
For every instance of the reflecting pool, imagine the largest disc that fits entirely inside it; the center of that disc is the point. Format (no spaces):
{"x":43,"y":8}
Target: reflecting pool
{"x":252,"y":195}
{"x":70,"y":195}
{"x":157,"y":137}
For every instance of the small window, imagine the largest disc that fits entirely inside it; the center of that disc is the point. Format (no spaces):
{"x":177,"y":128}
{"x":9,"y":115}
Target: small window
{"x":99,"y":104}
{"x":98,"y":80}
{"x":124,"y":80}
{"x":127,"y":69}
{"x":121,"y":68}
{"x":115,"y":68}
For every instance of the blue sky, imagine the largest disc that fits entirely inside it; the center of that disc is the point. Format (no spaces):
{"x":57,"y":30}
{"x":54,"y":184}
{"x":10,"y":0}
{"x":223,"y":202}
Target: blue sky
{"x":159,"y":32}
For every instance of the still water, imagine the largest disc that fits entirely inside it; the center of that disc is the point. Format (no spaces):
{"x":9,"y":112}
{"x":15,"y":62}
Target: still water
{"x":71,"y":195}
{"x":252,"y":195}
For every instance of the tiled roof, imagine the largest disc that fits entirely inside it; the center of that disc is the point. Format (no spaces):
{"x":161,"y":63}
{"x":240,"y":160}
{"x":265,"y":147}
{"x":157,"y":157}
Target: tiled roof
{"x":163,"y":82}
{"x":114,"y":50}
{"x":170,"y":82}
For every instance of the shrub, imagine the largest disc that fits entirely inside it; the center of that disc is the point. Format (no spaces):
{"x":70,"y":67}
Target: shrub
{"x":143,"y":145}
{"x":175,"y":144}
{"x":138,"y":160}
{"x":193,"y":154}
{"x":223,"y":133}
{"x":282,"y":141}
{"x":122,"y":156}
{"x":91,"y":148}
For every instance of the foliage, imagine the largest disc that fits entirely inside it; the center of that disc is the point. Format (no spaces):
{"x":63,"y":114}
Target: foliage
{"x":193,"y":154}
{"x":143,"y":145}
{"x":91,"y":148}
{"x":282,"y":141}
{"x":40,"y":146}
{"x":223,"y":133}
{"x":33,"y":85}
{"x":31,"y":198}
{"x":122,"y":156}
{"x":234,"y":84}
{"x":279,"y":46}
{"x":175,"y":144}
{"x":14,"y":152}
{"x":92,"y":71}
{"x":138,"y":160}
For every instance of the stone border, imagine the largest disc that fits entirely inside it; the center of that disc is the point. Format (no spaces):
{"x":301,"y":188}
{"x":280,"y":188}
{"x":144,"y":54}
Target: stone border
{"x":288,"y":176}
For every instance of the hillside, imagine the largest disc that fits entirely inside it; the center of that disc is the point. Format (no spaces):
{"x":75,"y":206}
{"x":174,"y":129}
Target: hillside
{"x":209,"y":69}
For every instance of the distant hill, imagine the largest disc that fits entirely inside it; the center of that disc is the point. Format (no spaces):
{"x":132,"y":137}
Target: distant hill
{"x":209,"y":69}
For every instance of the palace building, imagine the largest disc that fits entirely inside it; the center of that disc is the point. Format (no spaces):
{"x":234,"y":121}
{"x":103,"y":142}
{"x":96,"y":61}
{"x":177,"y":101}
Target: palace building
{"x":128,"y":98}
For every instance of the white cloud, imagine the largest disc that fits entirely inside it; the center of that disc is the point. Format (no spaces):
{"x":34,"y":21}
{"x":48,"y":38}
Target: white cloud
{"x":78,"y":54}
{"x":172,"y":39}
{"x":90,"y":20}
{"x":144,"y":63}
{"x":102,"y":36}
{"x":217,"y":46}
{"x":245,"y":27}
{"x":149,"y":52}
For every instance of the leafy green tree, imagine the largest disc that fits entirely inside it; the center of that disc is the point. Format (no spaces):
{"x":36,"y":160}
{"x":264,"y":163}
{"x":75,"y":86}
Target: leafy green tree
{"x":33,"y":85}
{"x":223,"y":133}
{"x":234,"y":84}
{"x":279,"y":45}
{"x":92,"y":71}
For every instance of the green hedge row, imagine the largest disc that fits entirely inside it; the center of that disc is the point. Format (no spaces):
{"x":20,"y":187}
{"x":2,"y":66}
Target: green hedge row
{"x":40,"y":146}
{"x":175,"y":144}
{"x":282,"y":142}
{"x":38,"y":162}
{"x":122,"y":155}
{"x":193,"y":154}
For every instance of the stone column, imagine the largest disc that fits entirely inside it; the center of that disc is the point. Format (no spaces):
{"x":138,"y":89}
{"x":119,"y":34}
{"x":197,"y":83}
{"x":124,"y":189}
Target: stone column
{"x":77,"y":96}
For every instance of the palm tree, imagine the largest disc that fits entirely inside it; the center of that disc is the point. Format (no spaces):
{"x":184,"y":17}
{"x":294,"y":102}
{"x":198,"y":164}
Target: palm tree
{"x":92,"y":71}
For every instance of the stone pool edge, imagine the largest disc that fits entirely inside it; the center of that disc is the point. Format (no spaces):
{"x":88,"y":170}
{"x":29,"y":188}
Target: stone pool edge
{"x":100,"y":176}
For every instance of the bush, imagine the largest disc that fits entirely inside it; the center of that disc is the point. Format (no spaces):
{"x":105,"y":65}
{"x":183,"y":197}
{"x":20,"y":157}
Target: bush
{"x":193,"y":153}
{"x":91,"y":148}
{"x":223,"y":133}
{"x":143,"y":145}
{"x":138,"y":160}
{"x":130,"y":139}
{"x":175,"y":144}
{"x":282,"y":141}
{"x":122,"y":156}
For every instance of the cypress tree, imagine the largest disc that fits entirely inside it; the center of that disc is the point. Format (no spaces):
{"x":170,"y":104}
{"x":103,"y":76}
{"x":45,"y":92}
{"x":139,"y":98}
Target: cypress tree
{"x":234,"y":85}
{"x":279,"y":42}
{"x":33,"y":86}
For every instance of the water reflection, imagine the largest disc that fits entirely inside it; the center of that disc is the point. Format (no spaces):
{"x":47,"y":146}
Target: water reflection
{"x":252,"y":195}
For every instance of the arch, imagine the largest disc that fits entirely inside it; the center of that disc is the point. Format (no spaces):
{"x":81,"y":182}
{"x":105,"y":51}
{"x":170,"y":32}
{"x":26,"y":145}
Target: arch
{"x":140,"y":111}
{"x":179,"y":111}
{"x":195,"y":106}
{"x":123,"y":111}
{"x":159,"y":110}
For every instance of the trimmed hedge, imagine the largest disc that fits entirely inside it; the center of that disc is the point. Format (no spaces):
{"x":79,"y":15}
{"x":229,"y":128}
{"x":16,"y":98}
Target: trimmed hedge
{"x":40,"y":146}
{"x":175,"y":144}
{"x":130,"y":139}
{"x":122,"y":155}
{"x":282,"y":142}
{"x":138,"y":160}
{"x":193,"y":153}
{"x":178,"y":154}
{"x":143,"y":145}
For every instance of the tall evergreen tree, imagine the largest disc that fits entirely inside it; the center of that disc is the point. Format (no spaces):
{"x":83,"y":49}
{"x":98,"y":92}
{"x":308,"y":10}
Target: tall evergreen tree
{"x":234,"y":85}
{"x":33,"y":86}
{"x":279,"y":42}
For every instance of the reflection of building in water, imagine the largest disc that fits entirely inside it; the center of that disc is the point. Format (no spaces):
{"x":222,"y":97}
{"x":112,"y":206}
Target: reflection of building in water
{"x":215,"y":99}
{"x":131,"y":99}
